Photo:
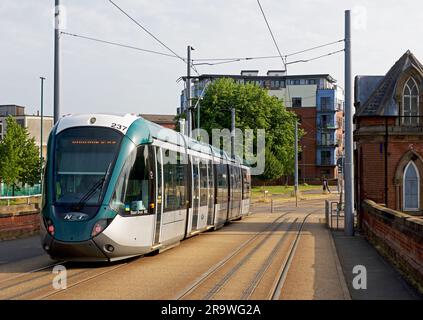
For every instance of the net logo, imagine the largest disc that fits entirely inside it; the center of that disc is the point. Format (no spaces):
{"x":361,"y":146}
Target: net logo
{"x":76,"y":216}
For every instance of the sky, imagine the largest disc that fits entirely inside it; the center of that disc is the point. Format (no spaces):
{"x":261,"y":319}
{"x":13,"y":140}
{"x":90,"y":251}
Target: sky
{"x":101,"y":78}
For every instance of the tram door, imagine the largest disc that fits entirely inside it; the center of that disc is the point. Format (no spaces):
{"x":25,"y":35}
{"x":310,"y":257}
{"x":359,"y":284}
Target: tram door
{"x":159,"y":194}
{"x":210,"y":177}
{"x":204,"y":195}
{"x":195,"y":192}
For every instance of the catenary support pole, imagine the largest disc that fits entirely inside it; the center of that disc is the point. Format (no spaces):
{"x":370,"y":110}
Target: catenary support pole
{"x":349,"y":170}
{"x":296,"y":164}
{"x":57,"y":61}
{"x":233,"y":133}
{"x":41,"y":125}
{"x":188,"y":126}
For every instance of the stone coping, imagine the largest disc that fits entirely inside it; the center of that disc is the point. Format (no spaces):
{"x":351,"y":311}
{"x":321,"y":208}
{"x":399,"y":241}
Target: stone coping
{"x":406,"y":223}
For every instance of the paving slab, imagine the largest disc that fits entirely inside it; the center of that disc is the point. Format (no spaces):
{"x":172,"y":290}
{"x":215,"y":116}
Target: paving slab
{"x":384,"y":282}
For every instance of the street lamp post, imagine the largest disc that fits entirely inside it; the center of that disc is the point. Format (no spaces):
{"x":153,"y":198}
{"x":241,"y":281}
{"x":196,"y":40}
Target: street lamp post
{"x":41,"y":125}
{"x":304,"y":164}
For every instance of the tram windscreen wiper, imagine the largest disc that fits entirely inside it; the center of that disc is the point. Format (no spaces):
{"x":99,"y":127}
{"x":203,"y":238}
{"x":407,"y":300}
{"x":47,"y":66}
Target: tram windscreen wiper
{"x":89,"y":194}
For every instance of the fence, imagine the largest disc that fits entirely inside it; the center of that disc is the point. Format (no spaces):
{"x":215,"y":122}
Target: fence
{"x":26,"y":190}
{"x":27,"y":199}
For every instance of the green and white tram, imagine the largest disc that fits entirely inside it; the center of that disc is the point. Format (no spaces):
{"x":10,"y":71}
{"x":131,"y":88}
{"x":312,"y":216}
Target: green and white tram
{"x":120,"y":186}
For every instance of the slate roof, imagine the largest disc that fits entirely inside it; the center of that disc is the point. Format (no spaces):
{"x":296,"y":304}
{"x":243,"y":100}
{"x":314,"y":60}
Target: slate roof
{"x":378,"y":92}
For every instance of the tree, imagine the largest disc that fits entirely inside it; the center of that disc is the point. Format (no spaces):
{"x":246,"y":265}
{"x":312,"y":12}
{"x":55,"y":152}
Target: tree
{"x":255,"y":109}
{"x":19,"y":157}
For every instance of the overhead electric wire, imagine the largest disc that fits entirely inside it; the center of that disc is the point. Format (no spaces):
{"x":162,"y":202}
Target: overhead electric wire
{"x":146,"y":30}
{"x":314,"y":48}
{"x":318,"y":57}
{"x":149,"y":33}
{"x":270,"y":57}
{"x":117,"y":44}
{"x":256,"y":58}
{"x":271,"y":33}
{"x":173,"y":56}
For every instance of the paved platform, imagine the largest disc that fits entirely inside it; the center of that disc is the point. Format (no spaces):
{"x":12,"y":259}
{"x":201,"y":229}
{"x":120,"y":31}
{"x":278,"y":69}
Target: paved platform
{"x":315,"y":273}
{"x":15,"y":250}
{"x":383,"y":281}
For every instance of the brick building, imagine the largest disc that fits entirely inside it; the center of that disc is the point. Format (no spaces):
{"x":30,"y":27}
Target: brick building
{"x":389,"y":137}
{"x":165,"y":120}
{"x":316,"y":99}
{"x":389,"y":164}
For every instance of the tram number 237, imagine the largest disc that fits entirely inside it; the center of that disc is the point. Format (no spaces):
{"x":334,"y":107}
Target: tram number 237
{"x":119,"y":126}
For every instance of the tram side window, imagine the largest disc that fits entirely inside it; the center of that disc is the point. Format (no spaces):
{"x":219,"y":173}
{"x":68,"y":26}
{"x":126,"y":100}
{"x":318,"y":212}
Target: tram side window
{"x":135,"y":188}
{"x":211,"y":179}
{"x":246,"y":184}
{"x":203,"y":183}
{"x":239,"y":175}
{"x":174,"y":175}
{"x":222,"y":183}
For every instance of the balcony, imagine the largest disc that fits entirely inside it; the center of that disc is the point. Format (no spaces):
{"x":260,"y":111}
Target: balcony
{"x":325,"y":162}
{"x":327,"y":108}
{"x":328,"y":143}
{"x":328,"y":126}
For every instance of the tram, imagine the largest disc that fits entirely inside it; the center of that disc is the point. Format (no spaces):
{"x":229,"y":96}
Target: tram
{"x":119,"y":186}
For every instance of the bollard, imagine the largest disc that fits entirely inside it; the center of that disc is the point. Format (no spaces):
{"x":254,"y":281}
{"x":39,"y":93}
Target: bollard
{"x":271,"y":205}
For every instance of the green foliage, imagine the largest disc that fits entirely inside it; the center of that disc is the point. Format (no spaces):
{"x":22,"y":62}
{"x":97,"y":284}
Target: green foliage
{"x":255,"y":109}
{"x":19,"y":157}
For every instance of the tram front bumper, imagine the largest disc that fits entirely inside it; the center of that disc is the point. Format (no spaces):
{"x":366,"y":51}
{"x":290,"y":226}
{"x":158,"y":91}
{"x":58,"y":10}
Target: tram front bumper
{"x":85,"y":251}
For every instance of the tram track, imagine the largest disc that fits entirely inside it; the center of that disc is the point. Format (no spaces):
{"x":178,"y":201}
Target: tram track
{"x":31,"y":272}
{"x":222,"y":281}
{"x":284,"y":269}
{"x":185,"y":292}
{"x":40,"y":286}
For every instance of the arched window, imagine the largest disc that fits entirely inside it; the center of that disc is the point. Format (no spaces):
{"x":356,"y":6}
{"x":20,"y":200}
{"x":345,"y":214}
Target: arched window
{"x":411,"y":187}
{"x":410,"y":102}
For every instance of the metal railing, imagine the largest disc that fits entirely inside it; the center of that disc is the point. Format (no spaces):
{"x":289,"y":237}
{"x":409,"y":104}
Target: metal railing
{"x":330,"y":143}
{"x":28,"y":198}
{"x":335,"y":215}
{"x":326,"y":162}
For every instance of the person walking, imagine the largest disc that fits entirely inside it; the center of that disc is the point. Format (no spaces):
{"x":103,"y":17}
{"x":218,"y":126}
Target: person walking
{"x":325,"y":185}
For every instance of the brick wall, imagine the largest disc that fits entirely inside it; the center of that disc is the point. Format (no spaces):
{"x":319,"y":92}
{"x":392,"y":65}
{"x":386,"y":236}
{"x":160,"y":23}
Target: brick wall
{"x":371,"y":168}
{"x":398,"y":236}
{"x":14,"y":225}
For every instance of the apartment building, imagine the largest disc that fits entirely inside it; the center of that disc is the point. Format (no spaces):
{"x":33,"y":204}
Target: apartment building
{"x":315,"y":98}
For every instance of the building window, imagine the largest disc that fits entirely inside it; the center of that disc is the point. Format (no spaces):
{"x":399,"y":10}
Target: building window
{"x":296,"y":102}
{"x":410,"y":103}
{"x":326,"y":140}
{"x":325,"y":103}
{"x":325,"y":157}
{"x":411,"y":187}
{"x":324,"y":121}
{"x":294,"y":82}
{"x":312,"y":81}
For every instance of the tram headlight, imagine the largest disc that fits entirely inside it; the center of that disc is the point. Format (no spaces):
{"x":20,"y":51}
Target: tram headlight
{"x":99,"y":226}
